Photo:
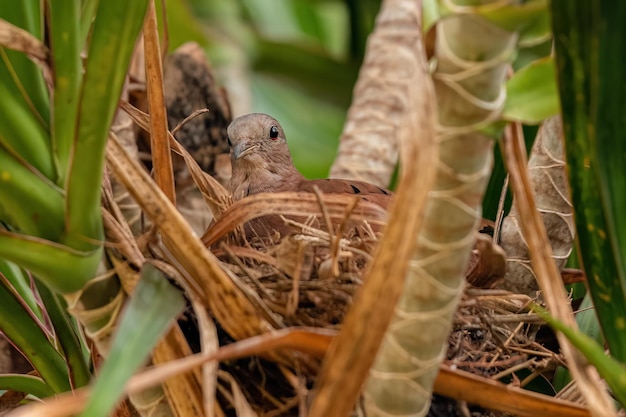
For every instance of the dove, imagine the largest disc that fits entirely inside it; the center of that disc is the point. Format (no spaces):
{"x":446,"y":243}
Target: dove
{"x":261,"y":162}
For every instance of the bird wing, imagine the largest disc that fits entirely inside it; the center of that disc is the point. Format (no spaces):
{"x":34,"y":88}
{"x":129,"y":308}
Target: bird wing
{"x":368,"y":192}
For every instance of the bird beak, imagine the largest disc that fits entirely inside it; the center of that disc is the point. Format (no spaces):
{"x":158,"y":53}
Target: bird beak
{"x":241,"y":150}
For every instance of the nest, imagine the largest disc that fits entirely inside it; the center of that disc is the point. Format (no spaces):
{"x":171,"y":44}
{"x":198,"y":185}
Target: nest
{"x":302,"y":278}
{"x":309,"y":279}
{"x":305,"y":279}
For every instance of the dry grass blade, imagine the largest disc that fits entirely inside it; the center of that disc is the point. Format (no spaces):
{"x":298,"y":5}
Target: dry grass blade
{"x":216,"y":196}
{"x":494,"y":395}
{"x":184,"y":391}
{"x":308,"y":340}
{"x":165,"y":44}
{"x":161,"y":156}
{"x":312,"y":341}
{"x":230,"y":306}
{"x":187,"y":119}
{"x":210,"y":345}
{"x":63,"y":405}
{"x":548,"y":275}
{"x":20,"y":40}
{"x":292,"y":204}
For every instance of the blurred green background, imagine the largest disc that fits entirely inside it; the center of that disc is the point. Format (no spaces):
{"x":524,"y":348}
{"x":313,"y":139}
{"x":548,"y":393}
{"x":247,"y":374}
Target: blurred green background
{"x":294,"y":59}
{"x":298,"y":60}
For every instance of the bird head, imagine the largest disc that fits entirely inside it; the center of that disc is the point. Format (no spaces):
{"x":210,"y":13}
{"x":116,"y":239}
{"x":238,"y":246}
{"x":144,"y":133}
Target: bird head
{"x":259,"y":155}
{"x":257,"y":140}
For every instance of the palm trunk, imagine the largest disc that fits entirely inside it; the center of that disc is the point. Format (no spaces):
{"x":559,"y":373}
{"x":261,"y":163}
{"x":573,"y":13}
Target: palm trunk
{"x":368,"y":149}
{"x":472,"y":56}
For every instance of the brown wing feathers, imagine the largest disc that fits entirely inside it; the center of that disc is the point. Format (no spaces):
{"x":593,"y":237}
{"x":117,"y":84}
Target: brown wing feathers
{"x":261,"y":162}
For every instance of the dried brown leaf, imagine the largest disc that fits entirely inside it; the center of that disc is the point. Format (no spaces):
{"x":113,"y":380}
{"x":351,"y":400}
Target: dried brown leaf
{"x":497,"y":396}
{"x":215,"y":195}
{"x":213,"y":286}
{"x":488,"y":263}
{"x":547,"y":273}
{"x":20,"y":40}
{"x":184,"y":391}
{"x":161,"y":155}
{"x":547,"y":176}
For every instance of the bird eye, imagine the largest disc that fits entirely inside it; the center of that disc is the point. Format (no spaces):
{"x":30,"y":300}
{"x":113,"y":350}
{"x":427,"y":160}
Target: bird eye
{"x":273,"y":132}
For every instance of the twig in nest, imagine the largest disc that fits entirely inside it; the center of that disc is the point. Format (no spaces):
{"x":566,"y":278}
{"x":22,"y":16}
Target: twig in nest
{"x":245,"y":270}
{"x":189,"y":118}
{"x":513,"y":369}
{"x":299,"y":386}
{"x":259,"y":304}
{"x":249,"y":253}
{"x":237,"y":398}
{"x":546,"y":354}
{"x":308,"y":231}
{"x":334,"y":249}
{"x":316,"y":235}
{"x":500,"y":216}
{"x":334,"y":239}
{"x":294,"y":296}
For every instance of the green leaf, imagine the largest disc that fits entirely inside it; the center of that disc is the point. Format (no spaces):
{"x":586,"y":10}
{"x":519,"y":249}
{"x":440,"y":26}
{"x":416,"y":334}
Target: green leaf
{"x":23,"y":329}
{"x":334,"y":18}
{"x":589,"y":47}
{"x":68,"y":340}
{"x":115,"y":31}
{"x":20,"y":131}
{"x":532,"y":93}
{"x":362,"y":15}
{"x":21,"y":283}
{"x":611,"y":370}
{"x":519,"y":16}
{"x":430,"y":12}
{"x":526,"y":56}
{"x":308,"y":20}
{"x":26,"y":383}
{"x":183,"y":25}
{"x":88,"y":12}
{"x":29,"y":202}
{"x":61,"y":268}
{"x":65,"y":45}
{"x":27,"y":15}
{"x":316,"y":73}
{"x":152,"y":307}
{"x":588,"y":324}
{"x":510,"y":16}
{"x":537,"y":31}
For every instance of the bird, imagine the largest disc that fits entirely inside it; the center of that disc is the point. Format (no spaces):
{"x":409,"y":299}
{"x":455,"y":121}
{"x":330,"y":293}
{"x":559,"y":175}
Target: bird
{"x":262,"y":163}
